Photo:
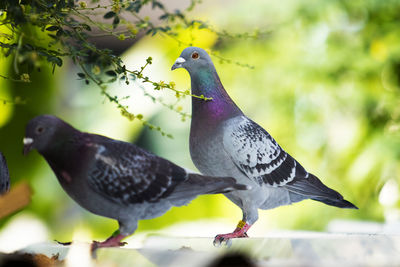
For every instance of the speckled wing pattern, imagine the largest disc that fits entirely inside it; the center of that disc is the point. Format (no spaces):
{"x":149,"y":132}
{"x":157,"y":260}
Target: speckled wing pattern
{"x":257,"y":155}
{"x":4,"y":175}
{"x":126,"y":174}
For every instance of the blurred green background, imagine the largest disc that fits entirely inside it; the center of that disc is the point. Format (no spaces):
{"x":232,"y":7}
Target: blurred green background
{"x":325,"y":84}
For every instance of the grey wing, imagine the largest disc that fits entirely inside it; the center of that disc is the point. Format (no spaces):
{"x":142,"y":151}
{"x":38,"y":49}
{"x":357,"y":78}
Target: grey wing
{"x":258,"y":156}
{"x":126,"y":174}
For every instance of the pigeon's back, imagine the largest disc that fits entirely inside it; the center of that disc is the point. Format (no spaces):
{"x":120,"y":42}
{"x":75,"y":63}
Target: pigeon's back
{"x":4,"y":175}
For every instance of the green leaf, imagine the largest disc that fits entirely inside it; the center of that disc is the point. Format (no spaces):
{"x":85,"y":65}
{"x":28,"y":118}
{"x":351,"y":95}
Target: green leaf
{"x":165,"y":16}
{"x":111,"y":73}
{"x":28,"y":47}
{"x":59,"y":33}
{"x":86,"y":27}
{"x":115,"y":22}
{"x":134,"y":6}
{"x":55,"y":60}
{"x":152,"y":31}
{"x":155,"y":4}
{"x":81,"y":75}
{"x":109,"y":15}
{"x":52,"y":28}
{"x":203,"y":26}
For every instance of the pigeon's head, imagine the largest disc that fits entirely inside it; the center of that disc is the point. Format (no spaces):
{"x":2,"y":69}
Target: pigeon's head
{"x":193,"y":59}
{"x":42,"y":131}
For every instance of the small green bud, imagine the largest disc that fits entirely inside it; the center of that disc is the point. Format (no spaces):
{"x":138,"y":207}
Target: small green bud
{"x":25,"y":77}
{"x":96,"y":70}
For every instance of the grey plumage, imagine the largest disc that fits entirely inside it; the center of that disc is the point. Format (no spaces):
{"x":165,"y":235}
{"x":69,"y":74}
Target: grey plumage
{"x":259,"y":156}
{"x":225,"y":142}
{"x":116,"y":179}
{"x":4,"y":175}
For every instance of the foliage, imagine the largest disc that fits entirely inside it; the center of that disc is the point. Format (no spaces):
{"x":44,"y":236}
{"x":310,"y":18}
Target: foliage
{"x":72,"y":27}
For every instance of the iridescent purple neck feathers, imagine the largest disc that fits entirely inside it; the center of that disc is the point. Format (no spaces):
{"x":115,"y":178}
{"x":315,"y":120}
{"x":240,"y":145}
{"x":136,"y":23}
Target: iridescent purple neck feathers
{"x":206,"y":82}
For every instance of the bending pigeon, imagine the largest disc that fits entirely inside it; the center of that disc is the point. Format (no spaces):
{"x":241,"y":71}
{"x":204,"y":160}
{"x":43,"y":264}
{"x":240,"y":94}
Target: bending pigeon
{"x":4,"y":175}
{"x":116,"y":179}
{"x":225,"y":142}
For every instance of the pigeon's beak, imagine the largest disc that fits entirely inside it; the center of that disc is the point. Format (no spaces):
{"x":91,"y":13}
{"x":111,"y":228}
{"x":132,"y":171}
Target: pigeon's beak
{"x":178,"y":63}
{"x":28,"y":142}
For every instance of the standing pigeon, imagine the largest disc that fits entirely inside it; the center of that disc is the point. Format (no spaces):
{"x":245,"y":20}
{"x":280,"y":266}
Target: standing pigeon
{"x":4,"y":175}
{"x":225,"y":142}
{"x":116,"y":179}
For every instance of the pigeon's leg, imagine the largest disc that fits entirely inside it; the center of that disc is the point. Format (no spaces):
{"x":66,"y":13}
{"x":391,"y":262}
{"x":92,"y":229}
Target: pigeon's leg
{"x":250,"y":216}
{"x":239,"y":232}
{"x":126,"y":227}
{"x":113,"y":241}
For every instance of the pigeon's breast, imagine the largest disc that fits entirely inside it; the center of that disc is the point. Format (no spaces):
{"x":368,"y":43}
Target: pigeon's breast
{"x":209,"y":156}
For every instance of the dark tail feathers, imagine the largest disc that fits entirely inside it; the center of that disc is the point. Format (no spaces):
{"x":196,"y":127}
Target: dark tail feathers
{"x":215,"y":185}
{"x":342,"y":203}
{"x":197,"y":184}
{"x":314,"y":189}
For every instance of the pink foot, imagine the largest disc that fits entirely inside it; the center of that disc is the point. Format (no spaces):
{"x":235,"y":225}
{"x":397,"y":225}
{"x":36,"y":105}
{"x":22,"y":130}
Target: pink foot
{"x":240,"y":232}
{"x":113,"y":241}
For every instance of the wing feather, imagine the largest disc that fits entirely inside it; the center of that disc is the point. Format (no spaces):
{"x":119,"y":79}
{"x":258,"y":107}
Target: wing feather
{"x":258,"y":155}
{"x":126,"y":174}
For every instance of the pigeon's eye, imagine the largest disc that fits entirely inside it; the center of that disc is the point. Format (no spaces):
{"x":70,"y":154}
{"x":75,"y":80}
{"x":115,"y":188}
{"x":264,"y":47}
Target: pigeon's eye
{"x":39,"y":130}
{"x":195,"y":55}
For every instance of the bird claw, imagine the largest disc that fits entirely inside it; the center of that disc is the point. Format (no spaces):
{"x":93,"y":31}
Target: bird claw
{"x":217,"y":241}
{"x":220,"y":239}
{"x":113,"y":241}
{"x":228,"y":242}
{"x":227,"y":238}
{"x":121,"y":244}
{"x":96,"y":245}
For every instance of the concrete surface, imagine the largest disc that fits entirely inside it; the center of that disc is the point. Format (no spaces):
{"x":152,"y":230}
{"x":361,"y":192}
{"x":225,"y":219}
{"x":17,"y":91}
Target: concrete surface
{"x":291,"y":248}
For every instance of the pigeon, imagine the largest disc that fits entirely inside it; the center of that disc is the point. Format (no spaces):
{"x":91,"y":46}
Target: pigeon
{"x":225,"y":142}
{"x":4,"y":176}
{"x":116,"y":179}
